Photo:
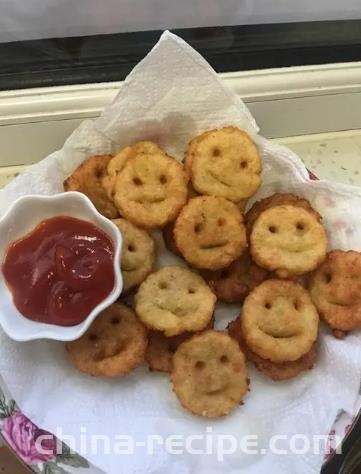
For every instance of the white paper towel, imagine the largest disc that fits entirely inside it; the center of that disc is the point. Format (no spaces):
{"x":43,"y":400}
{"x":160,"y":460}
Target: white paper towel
{"x":172,"y":95}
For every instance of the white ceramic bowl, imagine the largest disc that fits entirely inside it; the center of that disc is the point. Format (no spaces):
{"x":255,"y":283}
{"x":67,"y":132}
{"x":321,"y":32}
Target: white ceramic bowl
{"x":22,"y":217}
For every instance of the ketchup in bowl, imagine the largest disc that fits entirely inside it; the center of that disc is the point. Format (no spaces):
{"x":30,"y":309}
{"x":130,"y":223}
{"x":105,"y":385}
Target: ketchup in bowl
{"x":60,"y":271}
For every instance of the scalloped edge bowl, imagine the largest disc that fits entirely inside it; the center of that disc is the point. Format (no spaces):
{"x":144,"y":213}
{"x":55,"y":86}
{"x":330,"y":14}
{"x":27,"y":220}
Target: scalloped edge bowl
{"x":20,"y":219}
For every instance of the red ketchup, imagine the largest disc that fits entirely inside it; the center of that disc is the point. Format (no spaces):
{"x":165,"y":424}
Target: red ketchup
{"x":60,"y":271}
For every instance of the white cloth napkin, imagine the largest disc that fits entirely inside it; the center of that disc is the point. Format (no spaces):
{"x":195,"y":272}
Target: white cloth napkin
{"x":169,"y":97}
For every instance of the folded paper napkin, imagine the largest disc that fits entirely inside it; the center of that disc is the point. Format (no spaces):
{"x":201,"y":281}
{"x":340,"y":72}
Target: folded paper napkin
{"x":169,"y":97}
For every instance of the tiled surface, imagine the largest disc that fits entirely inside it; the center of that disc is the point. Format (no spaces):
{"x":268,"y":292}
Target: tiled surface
{"x":334,"y":156}
{"x":8,"y":173}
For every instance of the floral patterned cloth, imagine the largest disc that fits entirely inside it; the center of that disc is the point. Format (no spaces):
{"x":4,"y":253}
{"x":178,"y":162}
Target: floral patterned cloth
{"x":54,"y":457}
{"x":37,"y":448}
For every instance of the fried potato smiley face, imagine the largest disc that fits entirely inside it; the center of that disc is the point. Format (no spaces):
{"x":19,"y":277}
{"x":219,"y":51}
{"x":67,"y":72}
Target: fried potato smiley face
{"x":279,"y":321}
{"x":116,"y":164}
{"x":209,"y":232}
{"x":209,"y":374}
{"x":161,"y":348}
{"x":335,"y":289}
{"x":113,"y":345}
{"x":224,"y":163}
{"x":88,"y":179}
{"x":288,"y":240}
{"x":277,"y":199}
{"x":175,"y":300}
{"x":277,"y":371}
{"x":151,"y":189}
{"x":138,"y":254}
{"x":234,"y":283}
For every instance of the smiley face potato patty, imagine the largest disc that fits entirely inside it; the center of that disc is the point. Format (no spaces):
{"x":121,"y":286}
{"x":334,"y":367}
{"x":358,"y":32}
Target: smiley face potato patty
{"x":276,"y":371}
{"x":279,"y":321}
{"x":234,"y":283}
{"x":209,"y":374}
{"x":288,"y":240}
{"x":335,"y":289}
{"x":88,"y":179}
{"x":138,"y":254}
{"x":117,"y":163}
{"x":151,"y":189}
{"x":113,"y":345}
{"x":209,"y":232}
{"x":224,"y":163}
{"x":277,"y":199}
{"x":174,"y":300}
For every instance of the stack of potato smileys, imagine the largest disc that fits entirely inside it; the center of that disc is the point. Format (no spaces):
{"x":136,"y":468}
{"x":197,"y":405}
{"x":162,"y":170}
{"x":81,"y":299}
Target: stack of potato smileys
{"x":255,"y":261}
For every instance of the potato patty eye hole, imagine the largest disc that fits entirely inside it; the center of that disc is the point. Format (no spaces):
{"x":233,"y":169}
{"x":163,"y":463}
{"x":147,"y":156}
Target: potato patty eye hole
{"x":328,"y":277}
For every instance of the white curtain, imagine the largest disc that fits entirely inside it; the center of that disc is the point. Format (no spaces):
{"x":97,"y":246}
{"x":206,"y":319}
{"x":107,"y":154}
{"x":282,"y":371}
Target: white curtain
{"x":32,"y":19}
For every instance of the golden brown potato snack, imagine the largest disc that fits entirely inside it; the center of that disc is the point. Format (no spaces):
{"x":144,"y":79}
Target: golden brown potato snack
{"x":276,"y":371}
{"x":116,"y":164}
{"x":209,"y":232}
{"x":88,"y":179}
{"x":234,"y":283}
{"x":114,"y":344}
{"x":224,"y":163}
{"x":174,"y":300}
{"x":279,"y":321}
{"x":335,"y":289}
{"x":151,"y":189}
{"x":209,"y":374}
{"x":138,"y":254}
{"x":288,"y":240}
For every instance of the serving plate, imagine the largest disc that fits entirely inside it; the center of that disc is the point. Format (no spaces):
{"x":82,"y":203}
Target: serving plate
{"x":21,"y":433}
